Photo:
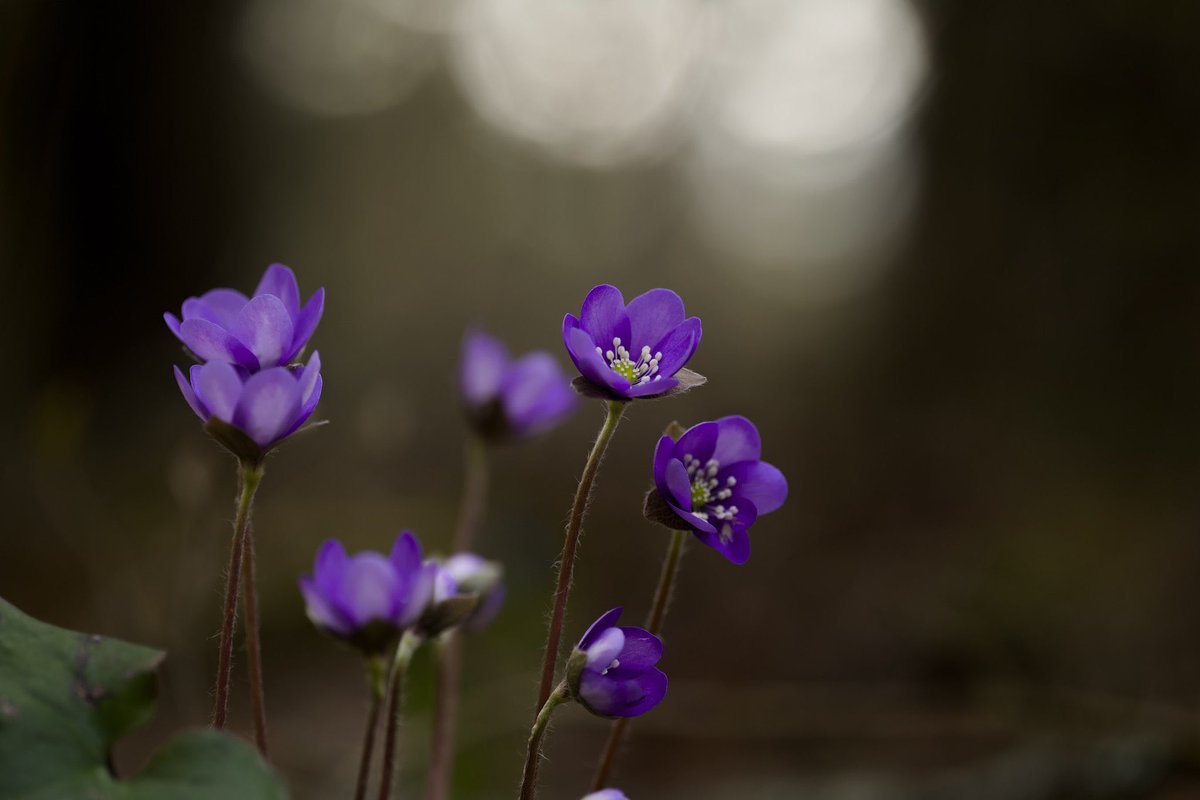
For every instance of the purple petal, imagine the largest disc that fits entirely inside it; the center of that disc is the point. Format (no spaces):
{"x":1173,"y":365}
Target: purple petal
{"x":173,"y":323}
{"x":489,"y":606}
{"x":219,"y":387}
{"x":607,"y":620}
{"x":699,"y":441}
{"x":264,"y":326}
{"x":591,"y":365}
{"x":280,"y":281}
{"x":190,"y":395}
{"x":603,"y":316}
{"x":195,"y":308}
{"x":368,"y":590}
{"x":444,"y":585}
{"x":481,"y":369}
{"x":269,"y":404}
{"x":223,"y":306}
{"x":642,"y":649}
{"x":653,"y":686}
{"x":652,"y":315}
{"x":677,"y":346}
{"x":731,"y":538}
{"x":320,"y":611}
{"x":306,"y":322}
{"x":536,"y":393}
{"x":606,"y":694}
{"x":211,"y":342}
{"x":737,"y":440}
{"x":328,"y":566}
{"x":663,"y":452}
{"x":419,"y":595}
{"x":653,"y":387}
{"x":759,"y":482}
{"x":607,"y":794}
{"x":306,"y":409}
{"x":608,"y":645}
{"x":309,"y":376}
{"x":698,"y":525}
{"x":406,"y":555}
{"x":464,"y":566}
{"x":679,"y":484}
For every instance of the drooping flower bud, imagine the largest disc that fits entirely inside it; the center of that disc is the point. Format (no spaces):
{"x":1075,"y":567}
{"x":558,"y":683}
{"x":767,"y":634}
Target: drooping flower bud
{"x":612,"y":672}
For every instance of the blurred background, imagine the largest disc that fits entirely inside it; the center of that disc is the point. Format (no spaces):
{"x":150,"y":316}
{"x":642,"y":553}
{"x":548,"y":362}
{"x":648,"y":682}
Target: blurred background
{"x":945,"y":258}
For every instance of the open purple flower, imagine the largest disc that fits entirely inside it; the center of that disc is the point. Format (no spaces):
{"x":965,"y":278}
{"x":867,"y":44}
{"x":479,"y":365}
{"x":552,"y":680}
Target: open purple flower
{"x":632,"y":351}
{"x":478,"y":576}
{"x":713,"y":480}
{"x":612,"y":670}
{"x":607,"y":794}
{"x":511,"y":398}
{"x":367,"y":599}
{"x":266,"y":406}
{"x":266,"y":330}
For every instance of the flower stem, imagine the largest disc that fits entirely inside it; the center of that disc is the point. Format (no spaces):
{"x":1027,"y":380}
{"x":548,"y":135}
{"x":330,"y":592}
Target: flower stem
{"x":445,"y":711}
{"x":566,"y":562}
{"x":533,"y":753}
{"x":404,"y":653}
{"x":248,"y":480}
{"x":662,"y":599}
{"x":258,"y":699}
{"x":474,"y":499}
{"x":377,"y":677}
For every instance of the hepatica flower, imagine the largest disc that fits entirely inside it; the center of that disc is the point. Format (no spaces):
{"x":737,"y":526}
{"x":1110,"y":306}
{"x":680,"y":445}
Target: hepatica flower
{"x":607,"y":794}
{"x":266,"y":406}
{"x":511,"y":398}
{"x":612,"y":670}
{"x":714,"y":482}
{"x":478,"y":576}
{"x":632,"y":351}
{"x":367,"y":598}
{"x":266,"y":330}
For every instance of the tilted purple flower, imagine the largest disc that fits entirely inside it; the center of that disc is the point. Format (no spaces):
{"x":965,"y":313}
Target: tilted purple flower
{"x":267,"y":406}
{"x":714,"y":480}
{"x":612,"y":670}
{"x":451,"y":604}
{"x":607,"y":794}
{"x":511,"y":398}
{"x":368,"y":599}
{"x":632,"y":351}
{"x":476,"y":575}
{"x":266,"y":330}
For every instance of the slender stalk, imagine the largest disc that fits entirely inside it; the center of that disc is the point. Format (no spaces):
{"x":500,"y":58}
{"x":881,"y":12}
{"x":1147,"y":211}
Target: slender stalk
{"x":248,"y":480}
{"x":258,"y":698}
{"x":654,"y":622}
{"x":377,"y":677}
{"x":445,"y":712}
{"x":566,"y":562}
{"x":474,"y":498}
{"x":533,"y":753}
{"x":404,"y":653}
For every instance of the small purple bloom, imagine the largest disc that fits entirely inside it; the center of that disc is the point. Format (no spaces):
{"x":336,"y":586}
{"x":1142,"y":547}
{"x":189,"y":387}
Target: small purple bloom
{"x":267,"y":406}
{"x":612,"y":671}
{"x":714,"y":481}
{"x":511,"y":398}
{"x":266,"y":330}
{"x":607,"y":794}
{"x":478,"y":576}
{"x":631,"y":351}
{"x":368,"y":599}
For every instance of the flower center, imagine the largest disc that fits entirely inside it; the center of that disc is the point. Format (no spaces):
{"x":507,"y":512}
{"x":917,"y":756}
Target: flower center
{"x":641,"y":371}
{"x":615,"y":663}
{"x":705,"y":491}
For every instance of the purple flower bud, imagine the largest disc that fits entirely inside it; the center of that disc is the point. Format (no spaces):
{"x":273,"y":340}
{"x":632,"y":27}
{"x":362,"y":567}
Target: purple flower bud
{"x":450,"y":606}
{"x":632,"y":351}
{"x":478,"y":576}
{"x":266,"y":406}
{"x":611,"y":671}
{"x":368,"y":599}
{"x":713,"y":480}
{"x":607,"y":794}
{"x":511,"y":399}
{"x":262,"y":331}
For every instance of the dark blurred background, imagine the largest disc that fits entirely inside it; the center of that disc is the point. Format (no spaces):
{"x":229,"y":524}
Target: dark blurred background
{"x":945,"y":254}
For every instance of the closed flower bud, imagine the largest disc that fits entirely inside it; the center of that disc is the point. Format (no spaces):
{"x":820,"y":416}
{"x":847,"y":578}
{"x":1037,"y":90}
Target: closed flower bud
{"x":612,"y":672}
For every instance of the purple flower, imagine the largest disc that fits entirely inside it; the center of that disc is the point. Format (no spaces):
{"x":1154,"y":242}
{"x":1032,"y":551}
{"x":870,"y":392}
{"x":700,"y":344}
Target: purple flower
{"x":713,"y":480}
{"x":480,"y":577}
{"x":607,"y":794}
{"x":507,"y":398}
{"x":611,"y":671}
{"x":452,"y":604}
{"x":367,"y":599}
{"x":263,"y":331}
{"x":636,"y":350}
{"x":267,"y":406}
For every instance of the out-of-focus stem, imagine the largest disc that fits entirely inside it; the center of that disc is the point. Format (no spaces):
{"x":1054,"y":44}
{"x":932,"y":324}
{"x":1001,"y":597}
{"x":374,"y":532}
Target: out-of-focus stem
{"x":474,"y":498}
{"x":404,"y":653}
{"x":258,"y":698}
{"x":445,"y":713}
{"x":377,"y":669}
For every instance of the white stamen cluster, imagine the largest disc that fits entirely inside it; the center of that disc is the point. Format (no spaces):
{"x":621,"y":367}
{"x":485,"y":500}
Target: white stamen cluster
{"x":704,"y":488}
{"x":636,"y":372}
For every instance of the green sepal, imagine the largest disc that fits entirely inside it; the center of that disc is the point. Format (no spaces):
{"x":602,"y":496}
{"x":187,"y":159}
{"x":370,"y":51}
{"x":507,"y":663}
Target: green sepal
{"x":236,"y":441}
{"x":655,"y":509}
{"x":687,"y":380}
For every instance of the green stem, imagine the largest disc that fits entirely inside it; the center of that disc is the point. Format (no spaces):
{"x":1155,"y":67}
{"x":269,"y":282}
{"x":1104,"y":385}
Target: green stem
{"x":533,"y":753}
{"x":658,"y":612}
{"x":258,"y":699}
{"x":377,"y":677}
{"x":474,"y":499}
{"x":248,"y":480}
{"x":445,"y":712}
{"x":404,"y":653}
{"x":566,"y":562}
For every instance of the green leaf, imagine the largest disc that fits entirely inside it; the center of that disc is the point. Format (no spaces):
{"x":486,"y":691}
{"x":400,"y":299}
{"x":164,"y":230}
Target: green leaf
{"x":65,"y":697}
